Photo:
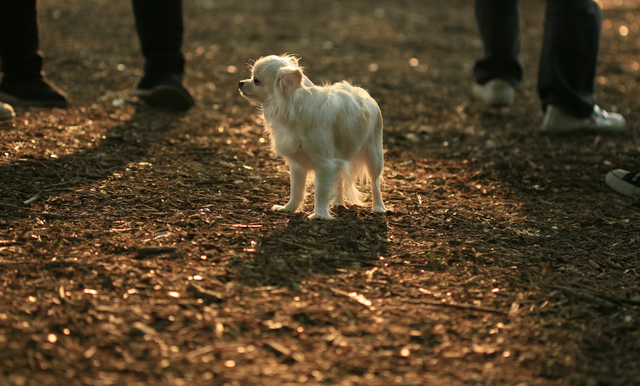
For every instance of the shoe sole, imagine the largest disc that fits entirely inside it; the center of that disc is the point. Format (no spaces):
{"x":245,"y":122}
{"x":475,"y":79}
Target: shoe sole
{"x":166,"y":96}
{"x":10,"y":99}
{"x":612,"y":130}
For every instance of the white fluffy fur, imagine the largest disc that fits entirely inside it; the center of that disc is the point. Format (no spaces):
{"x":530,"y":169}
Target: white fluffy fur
{"x":334,"y":131}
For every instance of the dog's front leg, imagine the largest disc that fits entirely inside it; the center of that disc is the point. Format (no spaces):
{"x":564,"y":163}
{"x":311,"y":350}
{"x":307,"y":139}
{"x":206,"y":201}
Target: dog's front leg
{"x":325,"y":179}
{"x":298,"y":185}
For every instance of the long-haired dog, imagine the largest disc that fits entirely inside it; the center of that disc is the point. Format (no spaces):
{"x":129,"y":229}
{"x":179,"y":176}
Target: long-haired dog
{"x":333,"y":130}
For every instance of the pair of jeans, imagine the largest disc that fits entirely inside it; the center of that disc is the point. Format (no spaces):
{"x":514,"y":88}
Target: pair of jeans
{"x":159,"y":24}
{"x":569,"y":50}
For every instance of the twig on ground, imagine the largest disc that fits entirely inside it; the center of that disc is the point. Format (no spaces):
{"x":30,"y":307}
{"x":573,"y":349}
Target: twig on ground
{"x":459,"y":306}
{"x":599,"y":299}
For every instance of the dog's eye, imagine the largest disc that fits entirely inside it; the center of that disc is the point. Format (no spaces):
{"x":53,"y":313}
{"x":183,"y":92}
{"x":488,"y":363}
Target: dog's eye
{"x":256,"y":81}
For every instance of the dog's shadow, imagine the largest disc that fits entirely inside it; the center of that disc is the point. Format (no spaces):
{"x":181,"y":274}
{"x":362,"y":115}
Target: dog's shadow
{"x":285,"y":257}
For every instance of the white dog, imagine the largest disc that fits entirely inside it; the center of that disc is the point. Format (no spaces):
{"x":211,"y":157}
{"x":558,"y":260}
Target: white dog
{"x":333,"y":130}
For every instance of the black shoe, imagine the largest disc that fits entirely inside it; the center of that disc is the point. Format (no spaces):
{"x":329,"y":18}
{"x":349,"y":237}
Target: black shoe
{"x":624,"y":182}
{"x":6,"y":112}
{"x":165,"y":92}
{"x":32,"y":92}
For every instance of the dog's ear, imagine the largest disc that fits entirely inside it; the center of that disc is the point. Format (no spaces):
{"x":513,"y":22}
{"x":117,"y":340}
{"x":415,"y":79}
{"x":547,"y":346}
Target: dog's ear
{"x":292,"y":60}
{"x":289,"y":79}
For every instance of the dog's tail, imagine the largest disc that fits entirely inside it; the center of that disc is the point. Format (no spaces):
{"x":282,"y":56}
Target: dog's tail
{"x":355,"y":174}
{"x":351,"y":174}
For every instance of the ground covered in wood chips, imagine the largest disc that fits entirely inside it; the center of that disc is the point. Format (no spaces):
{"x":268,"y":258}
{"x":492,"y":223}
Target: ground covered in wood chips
{"x":137,"y":247}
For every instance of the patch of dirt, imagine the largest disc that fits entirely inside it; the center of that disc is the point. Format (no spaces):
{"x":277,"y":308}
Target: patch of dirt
{"x":137,"y":247}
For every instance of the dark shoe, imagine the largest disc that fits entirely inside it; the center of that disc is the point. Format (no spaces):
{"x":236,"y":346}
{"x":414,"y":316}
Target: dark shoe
{"x":6,"y":112}
{"x":624,"y":182}
{"x":166,"y":92}
{"x":32,"y":92}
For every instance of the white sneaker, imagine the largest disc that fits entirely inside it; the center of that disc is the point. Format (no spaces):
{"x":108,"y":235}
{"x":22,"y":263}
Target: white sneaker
{"x":496,"y":92}
{"x":557,"y":122}
{"x":624,"y":182}
{"x":6,"y":112}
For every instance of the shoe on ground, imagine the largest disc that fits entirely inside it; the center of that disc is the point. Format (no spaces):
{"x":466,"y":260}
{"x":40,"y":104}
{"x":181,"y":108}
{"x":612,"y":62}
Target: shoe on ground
{"x":624,"y":182}
{"x":496,"y":92}
{"x":32,"y":92}
{"x":556,"y":121}
{"x":166,"y":93}
{"x":6,"y":112}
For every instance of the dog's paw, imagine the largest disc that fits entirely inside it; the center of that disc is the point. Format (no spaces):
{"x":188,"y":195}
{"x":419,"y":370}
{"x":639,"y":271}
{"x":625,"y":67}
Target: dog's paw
{"x":321,"y":216}
{"x":280,"y":208}
{"x":379,"y":209}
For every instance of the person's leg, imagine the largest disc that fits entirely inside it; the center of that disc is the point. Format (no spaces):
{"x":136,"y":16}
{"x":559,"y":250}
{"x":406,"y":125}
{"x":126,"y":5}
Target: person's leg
{"x":499,"y":24}
{"x":568,"y":69}
{"x":160,"y":29}
{"x":19,"y":40}
{"x":569,"y":56}
{"x":23,"y":81}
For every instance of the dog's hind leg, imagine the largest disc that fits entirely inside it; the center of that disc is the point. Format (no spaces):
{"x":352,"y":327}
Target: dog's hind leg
{"x":298,"y":186}
{"x":338,"y":200}
{"x":378,"y":205}
{"x":326,"y":177}
{"x":375,"y":161}
{"x":343,"y":183}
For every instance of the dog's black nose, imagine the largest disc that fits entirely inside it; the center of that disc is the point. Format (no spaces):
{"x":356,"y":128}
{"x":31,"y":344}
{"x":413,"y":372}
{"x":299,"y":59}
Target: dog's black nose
{"x":240,"y":84}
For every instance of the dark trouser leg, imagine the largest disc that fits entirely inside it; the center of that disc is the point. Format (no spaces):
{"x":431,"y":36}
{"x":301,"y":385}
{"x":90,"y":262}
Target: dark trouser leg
{"x":19,"y":40}
{"x":499,"y":23}
{"x":569,"y":56}
{"x":160,"y":29}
